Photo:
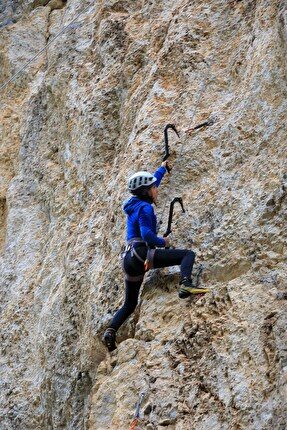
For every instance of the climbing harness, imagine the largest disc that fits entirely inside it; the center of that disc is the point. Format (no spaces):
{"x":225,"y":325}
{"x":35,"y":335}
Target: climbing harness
{"x":137,"y":412}
{"x":170,"y":216}
{"x":148,"y":262}
{"x":166,"y":147}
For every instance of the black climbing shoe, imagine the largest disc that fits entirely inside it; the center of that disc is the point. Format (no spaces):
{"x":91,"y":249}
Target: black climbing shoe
{"x":110,"y":339}
{"x":186,"y":289}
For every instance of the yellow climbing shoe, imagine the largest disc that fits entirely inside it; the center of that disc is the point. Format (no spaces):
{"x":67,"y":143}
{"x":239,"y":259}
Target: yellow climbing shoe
{"x":186,"y":289}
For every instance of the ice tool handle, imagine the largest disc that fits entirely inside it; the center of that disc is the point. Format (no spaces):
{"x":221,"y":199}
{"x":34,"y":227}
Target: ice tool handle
{"x":166,"y":147}
{"x":170,"y":216}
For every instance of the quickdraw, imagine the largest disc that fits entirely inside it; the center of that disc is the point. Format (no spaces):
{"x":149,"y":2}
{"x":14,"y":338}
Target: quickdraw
{"x":206,"y":123}
{"x":197,"y":275}
{"x":137,"y":413}
{"x":166,"y":147}
{"x":170,"y":216}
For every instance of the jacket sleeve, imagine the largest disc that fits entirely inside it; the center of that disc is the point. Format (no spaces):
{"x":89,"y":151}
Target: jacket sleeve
{"x":159,"y":174}
{"x":145,"y":223}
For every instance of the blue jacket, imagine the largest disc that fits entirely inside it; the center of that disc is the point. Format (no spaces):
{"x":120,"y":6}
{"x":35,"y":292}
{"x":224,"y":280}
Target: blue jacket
{"x":141,"y":219}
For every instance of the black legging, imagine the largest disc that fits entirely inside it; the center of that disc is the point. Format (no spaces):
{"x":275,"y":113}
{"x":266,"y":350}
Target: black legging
{"x":162,"y":258}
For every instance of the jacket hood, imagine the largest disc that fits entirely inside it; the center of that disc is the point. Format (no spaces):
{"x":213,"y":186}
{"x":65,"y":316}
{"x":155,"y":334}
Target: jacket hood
{"x":133,"y":205}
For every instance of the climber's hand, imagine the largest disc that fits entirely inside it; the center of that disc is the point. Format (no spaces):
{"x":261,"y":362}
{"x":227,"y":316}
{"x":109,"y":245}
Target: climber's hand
{"x":166,"y":165}
{"x":167,"y":244}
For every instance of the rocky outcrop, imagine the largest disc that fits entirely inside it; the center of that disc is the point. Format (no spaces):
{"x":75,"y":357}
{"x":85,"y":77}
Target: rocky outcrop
{"x":75,"y":123}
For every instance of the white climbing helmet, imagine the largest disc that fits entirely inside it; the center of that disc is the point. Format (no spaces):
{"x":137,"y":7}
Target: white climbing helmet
{"x":141,"y":179}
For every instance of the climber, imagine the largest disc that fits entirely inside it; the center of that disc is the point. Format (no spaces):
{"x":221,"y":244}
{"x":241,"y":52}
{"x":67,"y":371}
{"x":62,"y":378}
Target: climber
{"x":145,"y":250}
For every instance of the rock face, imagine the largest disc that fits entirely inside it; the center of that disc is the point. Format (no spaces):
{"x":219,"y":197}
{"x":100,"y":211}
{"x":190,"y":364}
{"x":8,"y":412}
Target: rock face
{"x":75,"y":123}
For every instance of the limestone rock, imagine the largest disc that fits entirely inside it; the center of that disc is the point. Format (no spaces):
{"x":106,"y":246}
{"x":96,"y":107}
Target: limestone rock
{"x":75,"y":124}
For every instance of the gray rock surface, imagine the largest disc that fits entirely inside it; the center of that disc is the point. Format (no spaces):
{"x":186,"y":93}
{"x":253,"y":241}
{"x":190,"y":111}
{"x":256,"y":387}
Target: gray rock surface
{"x":83,"y":116}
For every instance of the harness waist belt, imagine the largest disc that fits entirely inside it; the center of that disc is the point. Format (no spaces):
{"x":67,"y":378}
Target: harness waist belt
{"x":133,"y":243}
{"x":136,"y":241}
